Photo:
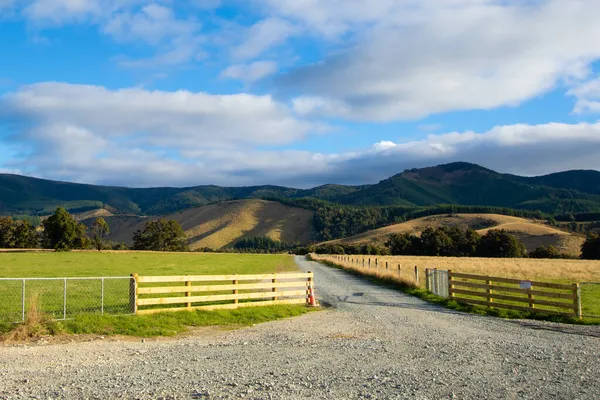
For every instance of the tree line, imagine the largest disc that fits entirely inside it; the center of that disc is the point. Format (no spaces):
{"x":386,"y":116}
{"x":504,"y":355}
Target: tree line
{"x":62,"y":232}
{"x":456,"y":242}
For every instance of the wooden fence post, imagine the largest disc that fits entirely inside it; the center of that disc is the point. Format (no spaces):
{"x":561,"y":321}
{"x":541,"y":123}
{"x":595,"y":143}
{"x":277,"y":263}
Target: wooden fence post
{"x":399,"y":271}
{"x":450,"y":285}
{"x":274,"y":288}
{"x":577,"y":300}
{"x":386,"y":265}
{"x":133,"y":293}
{"x":235,"y":291}
{"x":490,"y":299}
{"x":417,"y":275}
{"x":188,"y":294}
{"x":427,"y":276}
{"x":531,"y":298}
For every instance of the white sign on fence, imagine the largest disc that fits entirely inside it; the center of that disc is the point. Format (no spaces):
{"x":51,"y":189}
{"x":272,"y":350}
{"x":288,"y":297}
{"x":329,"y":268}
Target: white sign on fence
{"x":525,"y":285}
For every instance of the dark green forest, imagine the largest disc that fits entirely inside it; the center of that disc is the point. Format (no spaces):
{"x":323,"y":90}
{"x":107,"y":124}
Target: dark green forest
{"x":571,"y":192}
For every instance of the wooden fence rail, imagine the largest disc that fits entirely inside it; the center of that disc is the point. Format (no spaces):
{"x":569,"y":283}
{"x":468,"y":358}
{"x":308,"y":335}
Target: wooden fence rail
{"x":498,"y":292}
{"x":223,"y":291}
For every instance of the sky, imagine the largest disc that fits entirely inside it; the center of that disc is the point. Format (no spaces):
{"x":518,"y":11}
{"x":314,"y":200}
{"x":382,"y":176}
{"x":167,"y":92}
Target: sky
{"x":295,"y":92}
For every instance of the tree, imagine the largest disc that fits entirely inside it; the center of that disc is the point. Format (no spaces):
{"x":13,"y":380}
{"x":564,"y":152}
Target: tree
{"x":404,"y":244}
{"x":160,"y":235}
{"x":590,"y":250}
{"x":62,"y":232}
{"x":100,"y":230}
{"x":25,"y":236}
{"x":436,"y":242}
{"x":6,"y":232}
{"x":500,"y":244}
{"x":545,"y":252}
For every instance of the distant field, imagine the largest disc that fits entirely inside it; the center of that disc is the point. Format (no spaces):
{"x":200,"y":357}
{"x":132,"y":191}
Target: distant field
{"x":82,"y":264}
{"x":558,"y":271}
{"x":220,"y":225}
{"x":532,"y":233}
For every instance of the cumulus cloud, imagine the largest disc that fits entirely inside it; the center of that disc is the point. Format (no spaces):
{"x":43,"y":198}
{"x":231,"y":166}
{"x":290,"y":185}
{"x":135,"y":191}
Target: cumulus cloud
{"x":250,"y":72}
{"x":183,"y":117}
{"x":412,"y":59}
{"x":137,"y":137}
{"x":68,"y":128}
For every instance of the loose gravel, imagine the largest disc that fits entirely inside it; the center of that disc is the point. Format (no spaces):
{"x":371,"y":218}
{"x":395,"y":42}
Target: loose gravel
{"x":371,"y":343}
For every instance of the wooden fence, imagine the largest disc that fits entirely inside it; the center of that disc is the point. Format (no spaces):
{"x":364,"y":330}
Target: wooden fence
{"x":515,"y":294}
{"x":221,"y":291}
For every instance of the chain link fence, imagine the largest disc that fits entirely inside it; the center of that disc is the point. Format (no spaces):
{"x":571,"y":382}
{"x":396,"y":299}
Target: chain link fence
{"x":64,"y":298}
{"x":437,"y":281}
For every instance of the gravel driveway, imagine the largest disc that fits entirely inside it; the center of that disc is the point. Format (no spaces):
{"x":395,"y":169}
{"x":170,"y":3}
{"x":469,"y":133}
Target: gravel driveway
{"x":371,"y":343}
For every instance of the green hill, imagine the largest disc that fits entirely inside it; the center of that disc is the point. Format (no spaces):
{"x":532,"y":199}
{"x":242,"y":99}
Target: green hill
{"x":456,"y":183}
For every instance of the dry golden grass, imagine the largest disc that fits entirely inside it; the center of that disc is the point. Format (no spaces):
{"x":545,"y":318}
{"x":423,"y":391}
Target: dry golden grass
{"x":35,"y":325}
{"x":519,"y":268}
{"x":100,"y":212}
{"x":220,"y":225}
{"x":532,"y":233}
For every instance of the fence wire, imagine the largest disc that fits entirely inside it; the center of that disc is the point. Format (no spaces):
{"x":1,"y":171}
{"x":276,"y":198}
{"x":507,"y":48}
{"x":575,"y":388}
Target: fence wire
{"x":437,"y":282}
{"x":64,"y":298}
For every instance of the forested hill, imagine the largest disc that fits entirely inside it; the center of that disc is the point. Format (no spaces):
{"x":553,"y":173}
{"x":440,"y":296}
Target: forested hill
{"x":455,"y":183}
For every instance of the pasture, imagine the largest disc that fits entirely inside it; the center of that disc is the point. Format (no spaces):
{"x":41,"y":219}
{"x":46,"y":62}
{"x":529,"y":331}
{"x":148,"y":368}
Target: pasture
{"x":545,"y":270}
{"x":80,"y":304}
{"x":124,"y":263}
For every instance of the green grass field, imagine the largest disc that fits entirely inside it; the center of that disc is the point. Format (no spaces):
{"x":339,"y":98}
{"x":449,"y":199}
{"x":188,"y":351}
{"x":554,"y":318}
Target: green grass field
{"x":83,"y":296}
{"x":83,"y":264}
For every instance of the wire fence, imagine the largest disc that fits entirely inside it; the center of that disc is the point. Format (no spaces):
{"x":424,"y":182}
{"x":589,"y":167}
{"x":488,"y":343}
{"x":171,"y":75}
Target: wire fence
{"x":64,"y":298}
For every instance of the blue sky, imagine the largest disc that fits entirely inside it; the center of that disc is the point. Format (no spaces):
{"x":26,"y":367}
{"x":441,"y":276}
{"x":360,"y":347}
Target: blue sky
{"x":299,"y":93}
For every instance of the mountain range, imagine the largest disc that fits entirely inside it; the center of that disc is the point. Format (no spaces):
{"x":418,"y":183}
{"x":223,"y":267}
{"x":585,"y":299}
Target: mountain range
{"x":455,"y":183}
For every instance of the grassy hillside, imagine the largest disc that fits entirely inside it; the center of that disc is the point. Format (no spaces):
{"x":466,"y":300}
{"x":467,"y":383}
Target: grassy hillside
{"x":456,"y":183}
{"x":532,"y":233}
{"x":469,"y":184}
{"x":220,"y":225}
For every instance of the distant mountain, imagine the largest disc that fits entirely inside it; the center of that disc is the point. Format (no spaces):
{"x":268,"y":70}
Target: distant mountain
{"x":470,"y":184}
{"x":456,"y":183}
{"x":586,"y":181}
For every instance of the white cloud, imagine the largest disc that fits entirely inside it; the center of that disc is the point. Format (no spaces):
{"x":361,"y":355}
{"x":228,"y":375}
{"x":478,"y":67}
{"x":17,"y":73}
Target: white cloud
{"x":262,"y":36}
{"x":153,"y":24}
{"x":250,"y":72}
{"x":61,"y":11}
{"x":192,"y":120}
{"x":588,"y":97}
{"x":137,"y":137}
{"x":410,"y":59}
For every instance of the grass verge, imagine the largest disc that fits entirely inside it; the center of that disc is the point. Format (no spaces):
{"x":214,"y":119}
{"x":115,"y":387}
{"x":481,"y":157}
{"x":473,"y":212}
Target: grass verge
{"x":163,"y":324}
{"x":411,"y":289}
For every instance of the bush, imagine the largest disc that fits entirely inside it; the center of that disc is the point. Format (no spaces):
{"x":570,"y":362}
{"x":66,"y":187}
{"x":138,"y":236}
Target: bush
{"x":546,"y":252}
{"x":160,"y":235}
{"x":500,"y":244}
{"x":590,"y":250}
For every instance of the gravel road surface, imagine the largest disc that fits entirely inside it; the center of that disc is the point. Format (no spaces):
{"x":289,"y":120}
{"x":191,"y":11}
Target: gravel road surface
{"x":371,"y":343}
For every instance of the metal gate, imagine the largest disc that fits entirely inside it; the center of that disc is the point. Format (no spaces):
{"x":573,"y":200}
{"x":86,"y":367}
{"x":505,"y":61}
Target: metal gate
{"x":437,"y":281}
